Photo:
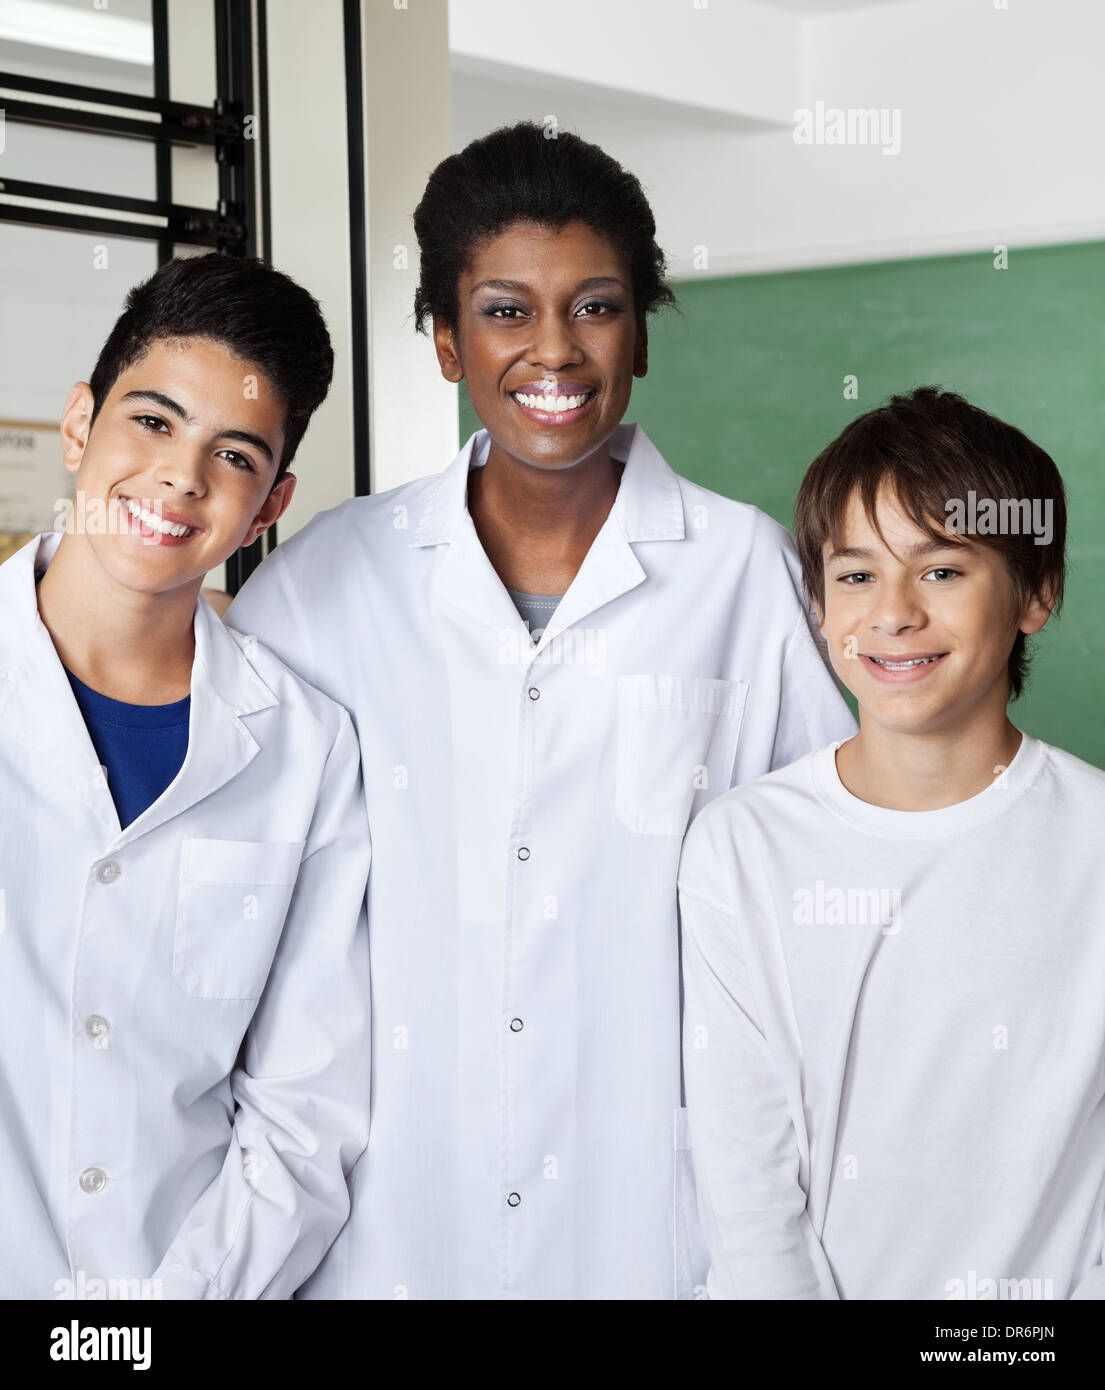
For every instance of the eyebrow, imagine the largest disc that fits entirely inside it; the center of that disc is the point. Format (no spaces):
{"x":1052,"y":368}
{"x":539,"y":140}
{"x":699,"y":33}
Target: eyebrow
{"x":913,"y":552}
{"x":175,"y":408}
{"x":165,"y":402}
{"x":594,"y":282}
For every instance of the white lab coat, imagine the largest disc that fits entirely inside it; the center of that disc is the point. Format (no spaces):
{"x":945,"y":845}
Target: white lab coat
{"x":528,"y":803}
{"x":183,"y":1003}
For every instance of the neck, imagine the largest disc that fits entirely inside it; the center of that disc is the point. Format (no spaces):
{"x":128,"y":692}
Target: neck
{"x":927,"y":771}
{"x":537,"y":524}
{"x":128,"y":645}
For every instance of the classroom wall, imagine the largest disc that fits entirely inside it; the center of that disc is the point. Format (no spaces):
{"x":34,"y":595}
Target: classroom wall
{"x":1002,"y":137}
{"x":745,"y":387}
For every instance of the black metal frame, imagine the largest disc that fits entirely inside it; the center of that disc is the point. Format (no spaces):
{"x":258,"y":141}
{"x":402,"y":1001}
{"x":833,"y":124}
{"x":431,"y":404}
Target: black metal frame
{"x":225,"y":228}
{"x":237,"y":186}
{"x":232,"y":227}
{"x":358,"y":246}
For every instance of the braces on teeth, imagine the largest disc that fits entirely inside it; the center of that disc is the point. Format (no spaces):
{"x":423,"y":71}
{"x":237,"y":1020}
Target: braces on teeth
{"x":903,"y":665}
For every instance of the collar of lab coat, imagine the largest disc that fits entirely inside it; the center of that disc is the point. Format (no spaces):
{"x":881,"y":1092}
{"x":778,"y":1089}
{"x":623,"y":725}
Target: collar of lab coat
{"x":648,"y":507}
{"x":224,"y":688}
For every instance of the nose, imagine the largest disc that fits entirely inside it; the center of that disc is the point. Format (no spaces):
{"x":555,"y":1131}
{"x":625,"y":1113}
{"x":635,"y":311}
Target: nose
{"x":896,"y":608}
{"x":554,"y":345}
{"x":181,"y":475}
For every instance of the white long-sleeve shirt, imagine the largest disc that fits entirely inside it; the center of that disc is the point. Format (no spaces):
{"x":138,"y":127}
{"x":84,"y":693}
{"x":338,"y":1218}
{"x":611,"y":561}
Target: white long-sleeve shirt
{"x":528,"y":802}
{"x":895,"y":1036}
{"x":183,"y":1002}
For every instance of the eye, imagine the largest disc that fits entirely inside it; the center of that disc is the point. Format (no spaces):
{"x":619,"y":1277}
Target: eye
{"x":153,"y":423}
{"x":237,"y":460}
{"x":506,"y":311}
{"x":599,"y":304}
{"x":858,"y":574}
{"x":945,"y":570}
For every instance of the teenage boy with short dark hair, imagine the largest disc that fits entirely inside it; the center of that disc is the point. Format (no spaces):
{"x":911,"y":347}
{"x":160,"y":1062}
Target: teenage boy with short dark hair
{"x":183,"y":964}
{"x":893,"y":949}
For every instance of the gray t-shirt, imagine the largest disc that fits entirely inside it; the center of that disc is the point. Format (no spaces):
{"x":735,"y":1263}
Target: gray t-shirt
{"x":536,"y":609}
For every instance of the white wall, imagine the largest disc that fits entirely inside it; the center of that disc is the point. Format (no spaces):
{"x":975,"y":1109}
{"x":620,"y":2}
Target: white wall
{"x":1002,"y":131}
{"x":1002,"y":140}
{"x":59,"y":295}
{"x":1002,"y":135}
{"x":733,"y":59}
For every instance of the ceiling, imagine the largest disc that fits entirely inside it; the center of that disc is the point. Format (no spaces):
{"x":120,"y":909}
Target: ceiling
{"x":819,"y":7}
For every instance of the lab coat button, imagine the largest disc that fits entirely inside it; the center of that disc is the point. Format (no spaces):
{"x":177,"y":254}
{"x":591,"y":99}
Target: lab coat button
{"x":97,"y":1029}
{"x":513,"y":1199}
{"x":516,"y":1025}
{"x":534,"y":693}
{"x":108,"y":871}
{"x":523,"y":853}
{"x":93,"y":1180}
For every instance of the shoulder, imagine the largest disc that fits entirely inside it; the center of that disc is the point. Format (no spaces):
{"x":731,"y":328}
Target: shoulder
{"x":297,"y":699}
{"x":1082,"y":783}
{"x":339,"y":552}
{"x":359,"y":521}
{"x":705,"y":511}
{"x":738,"y":537}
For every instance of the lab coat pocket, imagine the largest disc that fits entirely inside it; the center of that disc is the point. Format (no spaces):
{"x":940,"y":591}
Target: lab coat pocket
{"x":691,"y":1260}
{"x":232,"y":898}
{"x":677,"y":743}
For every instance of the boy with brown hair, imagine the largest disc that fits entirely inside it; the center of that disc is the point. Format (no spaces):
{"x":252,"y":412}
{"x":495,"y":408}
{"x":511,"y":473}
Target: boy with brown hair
{"x":893,"y":948}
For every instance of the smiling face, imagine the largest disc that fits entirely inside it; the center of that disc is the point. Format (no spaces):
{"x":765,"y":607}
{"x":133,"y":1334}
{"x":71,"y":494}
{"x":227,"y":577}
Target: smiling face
{"x":918,"y":629}
{"x":547,"y":341}
{"x":180,"y":460}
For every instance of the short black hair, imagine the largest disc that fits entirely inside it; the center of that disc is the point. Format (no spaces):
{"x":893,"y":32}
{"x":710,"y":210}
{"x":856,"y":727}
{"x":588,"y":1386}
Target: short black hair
{"x":260,"y":314}
{"x":931,"y":448}
{"x":524,"y":173}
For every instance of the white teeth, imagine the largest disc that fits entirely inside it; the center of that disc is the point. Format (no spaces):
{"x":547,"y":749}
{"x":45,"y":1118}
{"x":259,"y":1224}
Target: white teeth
{"x":552,"y":405}
{"x":155,"y":523}
{"x":903,"y":665}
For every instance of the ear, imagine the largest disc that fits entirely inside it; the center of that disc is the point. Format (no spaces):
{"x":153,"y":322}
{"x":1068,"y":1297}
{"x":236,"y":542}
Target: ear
{"x":76,"y":424}
{"x":448,"y":352}
{"x":640,"y":351}
{"x":1037,"y":609}
{"x":274,"y":507}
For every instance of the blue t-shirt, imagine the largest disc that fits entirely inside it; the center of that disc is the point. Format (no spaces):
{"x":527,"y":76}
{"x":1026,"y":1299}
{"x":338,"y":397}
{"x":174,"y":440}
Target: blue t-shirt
{"x":141,"y":746}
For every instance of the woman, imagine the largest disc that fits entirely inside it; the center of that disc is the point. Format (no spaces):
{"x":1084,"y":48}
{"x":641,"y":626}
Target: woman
{"x":555,"y":653}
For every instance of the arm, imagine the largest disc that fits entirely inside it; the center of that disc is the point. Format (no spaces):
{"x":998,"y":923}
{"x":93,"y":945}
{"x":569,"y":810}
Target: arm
{"x":812,"y":709}
{"x":744,"y":1148}
{"x":269,"y":607}
{"x":1091,"y":1285}
{"x":301,"y":1085}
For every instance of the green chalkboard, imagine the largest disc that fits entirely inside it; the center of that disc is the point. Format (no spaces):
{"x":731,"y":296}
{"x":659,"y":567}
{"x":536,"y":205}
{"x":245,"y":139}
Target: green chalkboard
{"x":746,"y":386}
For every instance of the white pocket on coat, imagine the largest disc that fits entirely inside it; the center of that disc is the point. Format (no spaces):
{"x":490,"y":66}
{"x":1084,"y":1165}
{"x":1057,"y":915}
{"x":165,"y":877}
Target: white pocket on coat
{"x":677,"y":744}
{"x":232,"y":899}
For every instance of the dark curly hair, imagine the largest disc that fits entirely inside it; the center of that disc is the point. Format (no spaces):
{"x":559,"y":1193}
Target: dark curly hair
{"x":522,"y":173}
{"x":260,"y":314}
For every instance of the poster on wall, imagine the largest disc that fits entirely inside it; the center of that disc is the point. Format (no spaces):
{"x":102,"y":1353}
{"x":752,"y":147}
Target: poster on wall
{"x":33,"y":481}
